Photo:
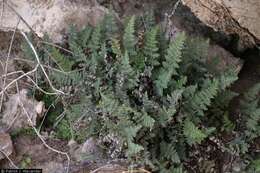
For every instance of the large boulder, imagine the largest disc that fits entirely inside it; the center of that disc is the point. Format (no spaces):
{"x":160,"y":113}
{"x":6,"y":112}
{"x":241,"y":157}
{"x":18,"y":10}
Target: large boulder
{"x":230,"y":16}
{"x":50,"y":16}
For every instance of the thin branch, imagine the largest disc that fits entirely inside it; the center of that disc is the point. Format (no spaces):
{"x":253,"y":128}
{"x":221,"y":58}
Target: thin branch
{"x":169,"y":16}
{"x":39,"y":62}
{"x":7,"y":62}
{"x":57,"y":46}
{"x":39,"y":135}
{"x":45,"y":114}
{"x":2,"y":12}
{"x":20,"y":77}
{"x":8,"y":158}
{"x":20,"y":17}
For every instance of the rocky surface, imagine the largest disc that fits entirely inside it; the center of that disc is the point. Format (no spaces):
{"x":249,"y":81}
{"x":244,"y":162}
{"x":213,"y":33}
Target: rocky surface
{"x":19,"y":108}
{"x":230,"y":16}
{"x":6,"y":145}
{"x":49,"y":16}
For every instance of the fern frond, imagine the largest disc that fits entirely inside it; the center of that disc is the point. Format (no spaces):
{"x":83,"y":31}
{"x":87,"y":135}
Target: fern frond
{"x":133,"y":149}
{"x":202,"y":99}
{"x":116,"y":48}
{"x":108,"y":104}
{"x":126,"y":72}
{"x":192,"y":133}
{"x":74,"y":45}
{"x":61,"y":60}
{"x":73,"y":78}
{"x":227,"y":78}
{"x":129,"y":39}
{"x":174,"y":52}
{"x":253,"y":124}
{"x":151,"y":47}
{"x":85,"y":35}
{"x":169,"y":152}
{"x":171,"y":63}
{"x":109,"y":25}
{"x":165,"y":115}
{"x":147,"y":120}
{"x":95,"y":42}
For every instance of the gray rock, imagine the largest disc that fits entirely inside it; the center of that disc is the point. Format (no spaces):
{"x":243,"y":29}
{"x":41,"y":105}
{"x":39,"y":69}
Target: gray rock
{"x":52,"y":167}
{"x":18,"y":108}
{"x":6,"y":145}
{"x":50,"y":16}
{"x":230,"y":16}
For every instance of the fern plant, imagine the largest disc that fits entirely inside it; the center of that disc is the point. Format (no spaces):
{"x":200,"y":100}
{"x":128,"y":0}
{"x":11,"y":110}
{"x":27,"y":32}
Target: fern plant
{"x":149,"y":93}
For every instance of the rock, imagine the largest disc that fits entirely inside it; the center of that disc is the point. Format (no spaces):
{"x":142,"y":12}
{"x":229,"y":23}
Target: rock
{"x":89,"y":149}
{"x":113,"y":168}
{"x":52,"y":167}
{"x":50,"y":16}
{"x":230,"y":16}
{"x":18,"y":108}
{"x":90,"y":146}
{"x":227,"y":60}
{"x":6,"y":145}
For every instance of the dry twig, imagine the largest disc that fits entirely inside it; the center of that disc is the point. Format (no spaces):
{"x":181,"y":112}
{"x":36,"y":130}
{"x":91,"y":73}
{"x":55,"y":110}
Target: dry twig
{"x":7,"y":62}
{"x":8,"y":158}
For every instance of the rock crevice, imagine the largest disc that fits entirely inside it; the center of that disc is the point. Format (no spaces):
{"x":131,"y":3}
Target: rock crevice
{"x":230,"y":16}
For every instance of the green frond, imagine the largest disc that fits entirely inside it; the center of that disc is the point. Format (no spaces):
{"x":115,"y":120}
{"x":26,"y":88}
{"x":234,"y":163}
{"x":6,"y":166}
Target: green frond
{"x":165,"y":115}
{"x":192,"y":133}
{"x":126,"y":71}
{"x":85,"y":35}
{"x":73,"y":78}
{"x":227,"y":78}
{"x":108,"y":104}
{"x":74,"y":45}
{"x":228,"y":125}
{"x":171,"y":63}
{"x":168,"y":151}
{"x":174,"y":52}
{"x":63,"y":62}
{"x":147,"y":120}
{"x":96,"y":39}
{"x":131,"y":132}
{"x":133,"y":149}
{"x":151,"y":47}
{"x":129,"y":38}
{"x":200,"y":101}
{"x":109,"y":25}
{"x":116,"y":48}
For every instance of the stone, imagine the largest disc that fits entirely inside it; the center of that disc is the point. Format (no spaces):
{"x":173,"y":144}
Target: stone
{"x":226,"y":59}
{"x":52,"y":167}
{"x":18,"y":108}
{"x":50,"y":16}
{"x":6,"y":145}
{"x":88,"y":149}
{"x":231,"y":17}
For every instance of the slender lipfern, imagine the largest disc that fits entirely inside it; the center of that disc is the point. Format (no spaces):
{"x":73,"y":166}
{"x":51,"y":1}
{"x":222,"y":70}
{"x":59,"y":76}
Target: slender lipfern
{"x":151,"y":47}
{"x":150,"y":97}
{"x":171,"y":63}
{"x":129,"y":39}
